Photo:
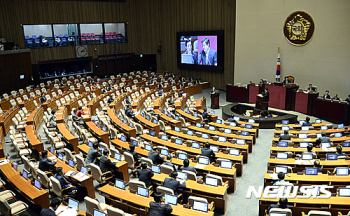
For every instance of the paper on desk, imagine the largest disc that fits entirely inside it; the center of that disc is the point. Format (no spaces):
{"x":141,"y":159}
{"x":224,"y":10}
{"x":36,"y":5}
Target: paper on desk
{"x":328,"y":149}
{"x":306,"y":162}
{"x":274,"y":176}
{"x":307,"y":139}
{"x":69,"y":173}
{"x":52,"y":157}
{"x":83,"y":178}
{"x":65,"y":211}
{"x":297,"y":162}
{"x":200,"y":166}
{"x":2,"y":162}
{"x":79,"y":175}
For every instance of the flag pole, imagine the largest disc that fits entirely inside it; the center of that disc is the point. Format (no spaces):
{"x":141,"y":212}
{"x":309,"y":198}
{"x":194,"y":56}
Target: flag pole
{"x":278,"y":69}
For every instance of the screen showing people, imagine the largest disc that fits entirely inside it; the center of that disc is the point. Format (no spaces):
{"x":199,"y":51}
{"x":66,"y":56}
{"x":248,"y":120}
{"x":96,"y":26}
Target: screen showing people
{"x":199,"y":50}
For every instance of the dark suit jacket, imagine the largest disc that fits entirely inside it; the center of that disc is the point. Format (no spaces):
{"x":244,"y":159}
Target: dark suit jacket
{"x":173,"y":184}
{"x":180,"y":94}
{"x":75,"y":117}
{"x":208,"y":153}
{"x":347,"y":100}
{"x":307,"y":124}
{"x":324,"y":139}
{"x":127,"y":101}
{"x":134,"y":154}
{"x":212,"y":57}
{"x":205,"y":115}
{"x":266,"y":96}
{"x":92,"y":156}
{"x":311,"y":89}
{"x":110,"y":100}
{"x":47,"y":212}
{"x":285,"y":137}
{"x":189,"y":168}
{"x":63,"y":182}
{"x":160,"y":85}
{"x":43,"y":99}
{"x":145,"y":176}
{"x":326,"y":97}
{"x":129,"y":113}
{"x":106,"y":164}
{"x":46,"y":164}
{"x":170,"y":164}
{"x":155,"y":157}
{"x":158,"y":209}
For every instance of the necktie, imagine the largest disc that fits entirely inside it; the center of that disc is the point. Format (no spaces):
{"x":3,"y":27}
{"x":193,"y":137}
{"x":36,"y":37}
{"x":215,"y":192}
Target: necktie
{"x":207,"y":61}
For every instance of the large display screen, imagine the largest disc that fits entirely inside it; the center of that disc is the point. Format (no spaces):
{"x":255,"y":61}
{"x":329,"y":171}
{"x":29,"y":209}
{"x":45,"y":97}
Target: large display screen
{"x":201,"y":50}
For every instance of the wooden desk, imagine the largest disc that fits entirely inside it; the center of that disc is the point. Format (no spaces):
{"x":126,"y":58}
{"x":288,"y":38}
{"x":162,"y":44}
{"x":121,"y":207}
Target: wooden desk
{"x":253,"y":132}
{"x":313,"y":140}
{"x":68,"y":137}
{"x":128,"y":131}
{"x":35,"y":117}
{"x":98,"y":132}
{"x":35,"y":144}
{"x":121,"y":165}
{"x":148,"y":124}
{"x":62,"y":115}
{"x":2,"y":142}
{"x":189,"y":117}
{"x":318,"y":151}
{"x":6,"y":120}
{"x":329,"y":131}
{"x":168,"y":120}
{"x":134,"y":204}
{"x":298,"y":126}
{"x":318,"y":179}
{"x":39,"y":198}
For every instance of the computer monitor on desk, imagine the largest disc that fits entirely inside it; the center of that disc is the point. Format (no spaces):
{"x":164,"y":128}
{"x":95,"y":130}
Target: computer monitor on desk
{"x":142,"y":192}
{"x":200,"y":206}
{"x":98,"y":213}
{"x":203,"y":160}
{"x":281,"y":169}
{"x":183,"y":156}
{"x":234,"y":151}
{"x":342,"y":171}
{"x":307,"y":156}
{"x":211,"y":181}
{"x":74,"y":204}
{"x":311,"y":171}
{"x":344,"y":192}
{"x":171,"y":199}
{"x":282,"y":155}
{"x":156,"y":169}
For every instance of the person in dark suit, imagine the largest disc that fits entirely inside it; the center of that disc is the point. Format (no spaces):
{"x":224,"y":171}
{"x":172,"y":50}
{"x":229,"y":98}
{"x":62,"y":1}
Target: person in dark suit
{"x":123,"y":89}
{"x":42,"y":99}
{"x":104,"y":91}
{"x":285,"y":136}
{"x":231,"y":119}
{"x":181,"y":93}
{"x":129,"y":113}
{"x":340,"y":151}
{"x":155,"y":157}
{"x":106,"y":164}
{"x":336,"y":98}
{"x":286,"y":81}
{"x":317,"y":165}
{"x":261,"y":82}
{"x":326,"y":95}
{"x":160,"y":86}
{"x":205,"y":115}
{"x":206,"y":151}
{"x":159,"y":207}
{"x":189,"y":51}
{"x":283,"y":203}
{"x":187,"y":166}
{"x":52,"y":118}
{"x":93,"y":154}
{"x":168,"y":162}
{"x":128,"y":100}
{"x":311,"y":88}
{"x":46,"y":164}
{"x":110,"y":88}
{"x":266,"y":95}
{"x":173,"y":184}
{"x":207,"y":56}
{"x":64,"y":182}
{"x":145,"y":174}
{"x":307,"y":122}
{"x":323,"y":139}
{"x":348,"y":99}
{"x":171,"y":101}
{"x":212,"y":91}
{"x":110,"y":100}
{"x":55,"y":202}
{"x":160,"y":92}
{"x":132,"y":151}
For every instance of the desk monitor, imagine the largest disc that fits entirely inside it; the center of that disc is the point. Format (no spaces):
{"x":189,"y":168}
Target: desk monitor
{"x":101,"y":150}
{"x":318,"y":121}
{"x":15,"y":166}
{"x":118,"y":156}
{"x":71,"y":163}
{"x":125,"y":121}
{"x":249,"y":126}
{"x":281,"y":169}
{"x":324,"y":127}
{"x":148,"y":118}
{"x":342,"y":171}
{"x":177,"y":118}
{"x":135,"y":142}
{"x":346,"y":144}
{"x":155,"y":121}
{"x":148,"y":147}
{"x":203,"y":160}
{"x":212,"y":112}
{"x":305,"y":128}
{"x":60,"y":156}
{"x":228,"y":131}
{"x":205,"y":136}
{"x":282,"y":155}
{"x":182,"y":156}
{"x":285,"y":128}
{"x":332,"y":157}
{"x":163,"y":111}
{"x":282,"y":144}
{"x":52,"y":150}
{"x":164,"y":137}
{"x":98,"y":213}
{"x":98,"y":124}
{"x":245,"y":133}
{"x":142,"y":191}
{"x":200,"y":206}
{"x":301,"y":122}
{"x":190,"y":132}
{"x":169,"y":115}
{"x":164,"y":152}
{"x":340,"y":126}
{"x":325,"y":145}
{"x":302,"y":136}
{"x":170,"y":199}
{"x":182,"y":175}
{"x":104,"y":129}
{"x":344,"y":192}
{"x":131,"y":125}
{"x":195,"y":145}
{"x":84,"y":170}
{"x":211,"y":181}
{"x":74,"y":204}
{"x":214,"y":148}
{"x":211,"y":128}
{"x":183,"y":109}
{"x":233,"y":124}
{"x":156,"y":169}
{"x":307,"y":156}
{"x":311,"y":171}
{"x":285,"y":122}
{"x":226,"y":164}
{"x":318,"y":135}
{"x":240,"y":142}
{"x":303,"y":145}
{"x":236,"y":118}
{"x":199,"y":125}
{"x":338,"y":135}
{"x":143,"y":114}
{"x":188,"y":112}
{"x":90,"y":143}
{"x":37,"y":184}
{"x":195,"y":115}
{"x":218,"y":121}
{"x":252,"y":121}
{"x":222,"y":139}
{"x":234,"y":151}
{"x":152,"y":133}
{"x":178,"y":141}
{"x":177,"y":129}
{"x":25,"y":174}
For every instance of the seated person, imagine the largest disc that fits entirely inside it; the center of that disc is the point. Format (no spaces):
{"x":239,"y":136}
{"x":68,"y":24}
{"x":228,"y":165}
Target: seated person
{"x":348,"y":99}
{"x":44,"y":41}
{"x":205,"y":115}
{"x":206,"y":151}
{"x":64,"y":182}
{"x":283,"y":203}
{"x":55,"y":202}
{"x":93,"y":154}
{"x":110,"y":100}
{"x":269,"y":115}
{"x":336,"y":98}
{"x":145,"y":175}
{"x":52,"y":119}
{"x":323,"y":139}
{"x":168,"y":162}
{"x":340,"y":151}
{"x":129,"y":113}
{"x":80,"y":112}
{"x":110,"y":88}
{"x":326,"y":95}
{"x":307,"y":122}
{"x":160,"y":86}
{"x":160,"y":92}
{"x":317,"y":164}
{"x":286,"y":81}
{"x":107,"y":165}
{"x":123,"y":89}
{"x":171,"y":101}
{"x":187,"y":166}
{"x":132,"y":151}
{"x":159,"y":207}
{"x":173,"y":184}
{"x":231,"y":119}
{"x":281,"y":177}
{"x":285,"y":136}
{"x":104,"y":90}
{"x":261,"y":81}
{"x":128,"y":100}
{"x":46,"y":164}
{"x":42,"y":98}
{"x":181,"y":92}
{"x":311,"y":88}
{"x":155,"y":157}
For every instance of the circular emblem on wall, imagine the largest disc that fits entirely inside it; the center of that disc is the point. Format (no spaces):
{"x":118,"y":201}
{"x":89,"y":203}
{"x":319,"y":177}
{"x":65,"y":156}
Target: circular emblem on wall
{"x":299,"y":28}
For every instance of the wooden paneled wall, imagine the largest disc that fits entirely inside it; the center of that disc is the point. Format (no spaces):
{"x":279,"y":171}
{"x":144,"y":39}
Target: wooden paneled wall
{"x":149,"y":22}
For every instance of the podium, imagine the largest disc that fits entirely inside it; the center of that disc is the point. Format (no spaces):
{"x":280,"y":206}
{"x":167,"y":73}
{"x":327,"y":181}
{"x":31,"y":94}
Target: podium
{"x":260,"y":103}
{"x":215,"y":100}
